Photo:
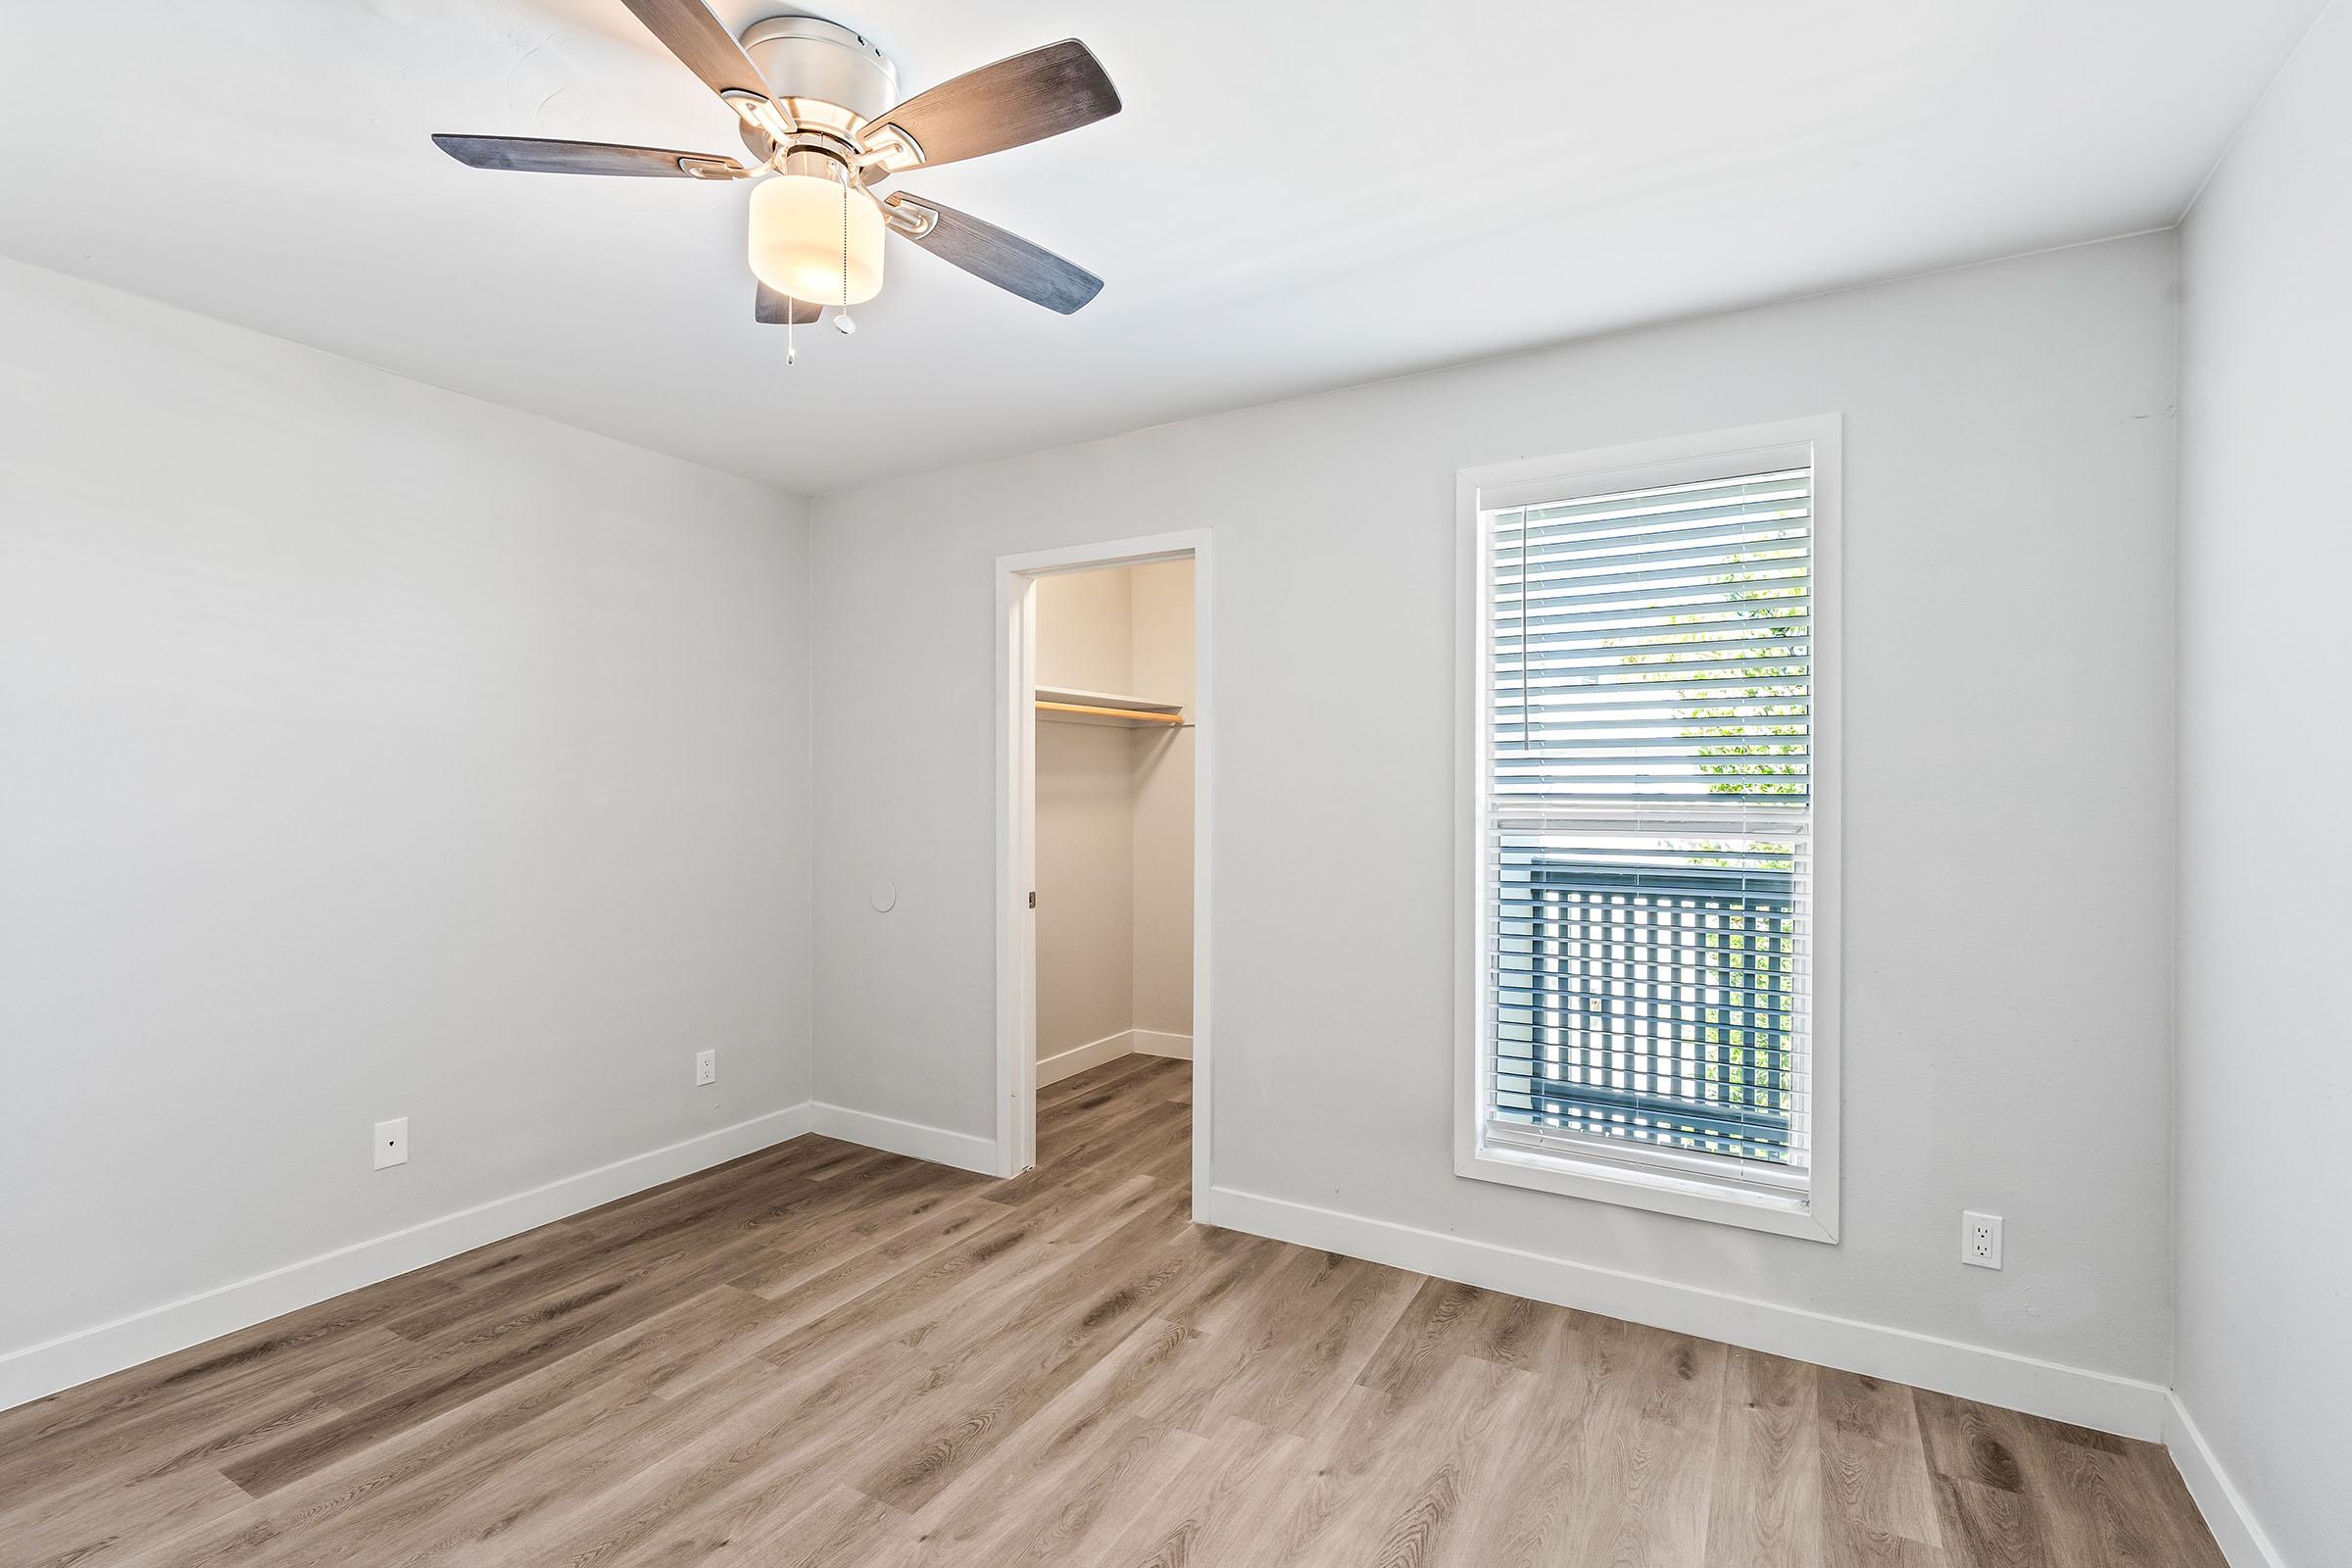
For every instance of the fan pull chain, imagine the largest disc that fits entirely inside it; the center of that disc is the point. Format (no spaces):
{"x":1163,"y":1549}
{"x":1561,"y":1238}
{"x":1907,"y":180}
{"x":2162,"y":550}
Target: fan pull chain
{"x":841,"y":318}
{"x":789,"y":352}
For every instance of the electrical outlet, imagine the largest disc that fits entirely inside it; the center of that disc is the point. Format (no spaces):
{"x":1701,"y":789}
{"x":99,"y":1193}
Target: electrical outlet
{"x":391,"y":1142}
{"x":705,"y":1068}
{"x":1981,"y":1240}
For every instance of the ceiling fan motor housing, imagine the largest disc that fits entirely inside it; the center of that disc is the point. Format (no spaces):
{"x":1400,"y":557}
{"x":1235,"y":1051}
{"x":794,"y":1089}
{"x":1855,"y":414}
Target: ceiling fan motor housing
{"x":829,"y":78}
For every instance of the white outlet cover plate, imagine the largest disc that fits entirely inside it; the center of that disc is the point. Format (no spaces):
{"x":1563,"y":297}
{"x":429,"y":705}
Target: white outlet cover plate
{"x":391,"y":1142}
{"x":705,"y":1068}
{"x":1968,"y":1222}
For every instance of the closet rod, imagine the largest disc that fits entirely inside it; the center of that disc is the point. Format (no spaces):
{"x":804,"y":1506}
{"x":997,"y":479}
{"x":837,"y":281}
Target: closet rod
{"x":1112,"y":712}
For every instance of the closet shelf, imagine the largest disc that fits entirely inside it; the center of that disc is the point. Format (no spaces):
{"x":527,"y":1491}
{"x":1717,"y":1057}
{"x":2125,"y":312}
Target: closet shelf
{"x":1066,"y":705}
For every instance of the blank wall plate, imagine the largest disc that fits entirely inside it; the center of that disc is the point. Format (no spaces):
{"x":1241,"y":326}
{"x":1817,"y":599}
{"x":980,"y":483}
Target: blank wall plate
{"x":1981,"y":1240}
{"x":705,"y":1068}
{"x":392,"y":1143}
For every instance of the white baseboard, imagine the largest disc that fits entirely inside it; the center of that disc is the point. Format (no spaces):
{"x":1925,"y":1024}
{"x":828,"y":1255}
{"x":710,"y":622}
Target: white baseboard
{"x":1110,"y":1047}
{"x":912,"y":1139}
{"x":2097,"y":1399}
{"x":1078,"y":1058}
{"x":2234,"y":1527}
{"x":93,"y":1352}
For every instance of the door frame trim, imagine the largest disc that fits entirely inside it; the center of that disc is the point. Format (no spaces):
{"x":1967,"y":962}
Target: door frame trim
{"x":1016,"y":831}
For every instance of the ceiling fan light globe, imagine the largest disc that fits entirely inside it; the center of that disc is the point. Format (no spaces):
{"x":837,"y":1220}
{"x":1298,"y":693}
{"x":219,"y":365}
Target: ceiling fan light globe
{"x":796,"y":240}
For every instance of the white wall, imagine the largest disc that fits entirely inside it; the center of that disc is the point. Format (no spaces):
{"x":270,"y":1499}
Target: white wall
{"x":364,"y":751}
{"x":2264,"y":1096}
{"x":2010,"y":464}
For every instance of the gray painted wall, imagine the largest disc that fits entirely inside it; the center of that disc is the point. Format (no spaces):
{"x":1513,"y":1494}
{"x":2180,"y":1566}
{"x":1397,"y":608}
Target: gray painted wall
{"x":2263,"y":1357}
{"x":2010,"y":467}
{"x":370,"y":752}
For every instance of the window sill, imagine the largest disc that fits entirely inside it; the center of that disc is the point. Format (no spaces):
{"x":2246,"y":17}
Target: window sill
{"x":1656,"y":1191}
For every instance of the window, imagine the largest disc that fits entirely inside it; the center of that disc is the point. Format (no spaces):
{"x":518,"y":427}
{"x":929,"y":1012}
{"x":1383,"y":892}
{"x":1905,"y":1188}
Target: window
{"x":1649,"y":939}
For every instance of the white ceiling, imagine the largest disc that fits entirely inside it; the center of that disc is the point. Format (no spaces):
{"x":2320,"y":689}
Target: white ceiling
{"x":1300,"y":193}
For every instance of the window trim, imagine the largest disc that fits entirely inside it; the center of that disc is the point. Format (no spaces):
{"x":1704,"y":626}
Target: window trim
{"x":1625,"y":1182}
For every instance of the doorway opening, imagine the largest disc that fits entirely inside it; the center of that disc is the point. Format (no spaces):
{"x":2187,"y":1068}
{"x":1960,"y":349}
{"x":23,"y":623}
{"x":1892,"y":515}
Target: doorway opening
{"x":1104,"y":737}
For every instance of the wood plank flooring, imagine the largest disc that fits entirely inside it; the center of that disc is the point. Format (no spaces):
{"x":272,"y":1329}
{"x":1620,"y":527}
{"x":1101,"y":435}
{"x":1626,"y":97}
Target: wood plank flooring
{"x":826,"y":1355}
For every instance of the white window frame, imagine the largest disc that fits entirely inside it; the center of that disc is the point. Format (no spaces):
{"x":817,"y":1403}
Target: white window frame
{"x":1641,"y":1178}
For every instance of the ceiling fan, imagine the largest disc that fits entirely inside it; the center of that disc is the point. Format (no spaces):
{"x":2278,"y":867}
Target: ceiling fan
{"x":819,"y":116}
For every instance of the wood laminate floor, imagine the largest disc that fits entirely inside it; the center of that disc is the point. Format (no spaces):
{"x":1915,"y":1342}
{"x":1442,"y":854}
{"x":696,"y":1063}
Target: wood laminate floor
{"x":824,"y":1355}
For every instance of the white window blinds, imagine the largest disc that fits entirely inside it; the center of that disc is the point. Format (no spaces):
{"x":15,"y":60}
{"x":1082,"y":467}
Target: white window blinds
{"x":1647,"y":825}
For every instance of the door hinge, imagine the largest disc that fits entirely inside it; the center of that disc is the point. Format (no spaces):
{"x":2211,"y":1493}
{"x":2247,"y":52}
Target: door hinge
{"x":1033,"y":897}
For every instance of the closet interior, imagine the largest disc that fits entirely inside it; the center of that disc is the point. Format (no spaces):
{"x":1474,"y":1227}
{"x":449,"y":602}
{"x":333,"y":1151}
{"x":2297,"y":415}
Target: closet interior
{"x":1114,"y":816}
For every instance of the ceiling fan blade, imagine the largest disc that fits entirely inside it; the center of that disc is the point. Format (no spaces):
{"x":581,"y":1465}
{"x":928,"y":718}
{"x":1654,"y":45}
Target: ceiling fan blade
{"x":535,"y":155}
{"x":688,"y":29}
{"x":1027,"y":98}
{"x":774,"y":309}
{"x":997,"y":256}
